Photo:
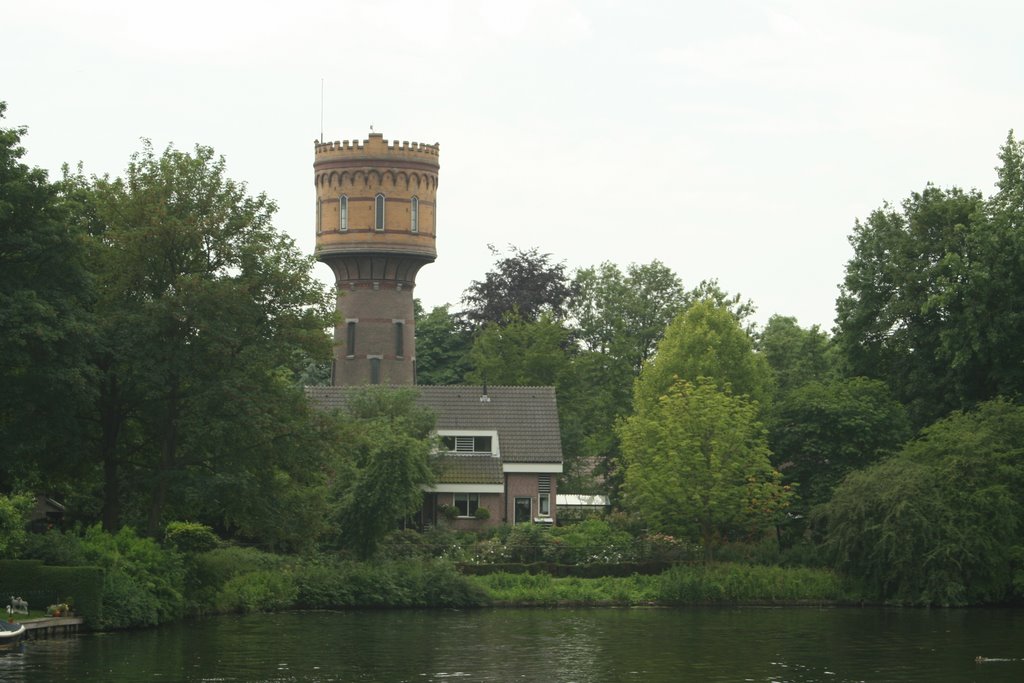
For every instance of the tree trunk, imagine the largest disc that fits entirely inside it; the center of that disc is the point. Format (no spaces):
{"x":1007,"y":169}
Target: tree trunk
{"x":111,"y":420}
{"x":168,"y":453}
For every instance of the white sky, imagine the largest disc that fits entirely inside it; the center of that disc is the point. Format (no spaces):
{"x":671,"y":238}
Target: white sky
{"x":736,"y":140}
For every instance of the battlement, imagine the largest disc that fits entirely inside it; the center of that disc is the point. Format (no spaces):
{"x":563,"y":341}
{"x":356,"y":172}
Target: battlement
{"x":376,"y":147}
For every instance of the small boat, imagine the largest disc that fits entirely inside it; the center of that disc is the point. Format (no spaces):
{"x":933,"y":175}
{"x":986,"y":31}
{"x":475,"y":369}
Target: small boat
{"x":11,"y":634}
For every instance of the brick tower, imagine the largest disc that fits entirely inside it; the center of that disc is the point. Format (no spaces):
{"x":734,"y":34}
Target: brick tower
{"x":375,"y":228}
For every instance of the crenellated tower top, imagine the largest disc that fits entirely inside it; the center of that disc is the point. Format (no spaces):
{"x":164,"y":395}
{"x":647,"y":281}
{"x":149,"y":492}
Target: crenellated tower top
{"x":377,"y":146}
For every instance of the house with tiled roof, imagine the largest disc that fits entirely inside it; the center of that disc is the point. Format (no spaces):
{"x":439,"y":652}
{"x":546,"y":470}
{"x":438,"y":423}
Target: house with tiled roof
{"x":500,"y":452}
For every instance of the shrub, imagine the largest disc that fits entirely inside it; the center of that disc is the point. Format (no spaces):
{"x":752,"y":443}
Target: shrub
{"x":190,"y":537}
{"x":14,"y":511}
{"x":143,"y":585}
{"x":210,"y":571}
{"x":260,"y":591}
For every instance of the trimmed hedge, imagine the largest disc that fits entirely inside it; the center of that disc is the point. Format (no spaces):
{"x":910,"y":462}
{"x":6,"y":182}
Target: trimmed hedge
{"x":43,"y":585}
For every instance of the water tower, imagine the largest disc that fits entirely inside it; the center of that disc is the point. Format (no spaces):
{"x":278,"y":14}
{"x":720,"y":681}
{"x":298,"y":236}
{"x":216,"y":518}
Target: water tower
{"x":375,"y":228}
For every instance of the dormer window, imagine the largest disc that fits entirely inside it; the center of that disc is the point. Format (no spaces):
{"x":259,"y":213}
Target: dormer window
{"x":414,"y":215}
{"x":342,"y":213}
{"x":467,"y":444}
{"x":378,"y":213}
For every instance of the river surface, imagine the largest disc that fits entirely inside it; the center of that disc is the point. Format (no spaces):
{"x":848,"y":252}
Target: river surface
{"x":600,"y":645}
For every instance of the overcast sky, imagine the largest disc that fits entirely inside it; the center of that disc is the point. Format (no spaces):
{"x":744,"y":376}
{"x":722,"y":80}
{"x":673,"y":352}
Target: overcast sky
{"x":730,"y":140}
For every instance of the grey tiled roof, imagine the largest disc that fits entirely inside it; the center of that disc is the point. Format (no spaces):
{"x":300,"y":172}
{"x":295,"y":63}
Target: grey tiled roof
{"x":470,"y":469}
{"x":526,"y":418}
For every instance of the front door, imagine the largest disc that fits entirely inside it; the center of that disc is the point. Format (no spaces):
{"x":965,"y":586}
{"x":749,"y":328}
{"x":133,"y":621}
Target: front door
{"x":523,"y":510}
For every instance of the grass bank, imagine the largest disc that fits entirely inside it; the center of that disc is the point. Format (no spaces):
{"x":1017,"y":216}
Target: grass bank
{"x":681,"y":585}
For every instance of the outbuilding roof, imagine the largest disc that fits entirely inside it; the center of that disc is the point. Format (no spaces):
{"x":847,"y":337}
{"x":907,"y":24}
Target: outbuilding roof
{"x":526,"y":418}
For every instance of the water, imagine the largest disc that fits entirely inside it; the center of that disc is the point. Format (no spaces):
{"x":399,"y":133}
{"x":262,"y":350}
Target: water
{"x":546,"y":645}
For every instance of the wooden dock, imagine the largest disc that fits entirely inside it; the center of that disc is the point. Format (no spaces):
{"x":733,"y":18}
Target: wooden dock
{"x":48,"y":627}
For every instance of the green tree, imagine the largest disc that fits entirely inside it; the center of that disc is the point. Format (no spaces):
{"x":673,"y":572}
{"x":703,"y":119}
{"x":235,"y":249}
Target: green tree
{"x":697,"y":465}
{"x":593,"y":394}
{"x":384,"y":462}
{"x":45,"y":326}
{"x":520,"y":352}
{"x":624,"y":315}
{"x":208,"y":315}
{"x":909,"y":312}
{"x":796,"y":355}
{"x":524,"y":282}
{"x":820,"y":432}
{"x":14,"y":511}
{"x":443,"y":342}
{"x":940,"y":522}
{"x":705,"y":341}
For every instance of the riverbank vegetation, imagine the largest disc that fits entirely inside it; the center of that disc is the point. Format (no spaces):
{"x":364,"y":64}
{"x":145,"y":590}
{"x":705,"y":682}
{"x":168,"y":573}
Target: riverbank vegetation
{"x":157,"y":331}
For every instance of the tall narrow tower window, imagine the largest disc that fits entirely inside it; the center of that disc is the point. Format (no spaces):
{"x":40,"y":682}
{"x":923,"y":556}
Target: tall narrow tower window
{"x":342,"y":213}
{"x":319,"y":216}
{"x":414,"y":215}
{"x":399,"y":338}
{"x":378,"y":213}
{"x":375,"y":371}
{"x":350,"y":339}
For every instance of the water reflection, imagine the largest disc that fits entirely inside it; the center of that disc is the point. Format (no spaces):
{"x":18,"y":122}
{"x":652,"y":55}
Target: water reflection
{"x":562,"y":646}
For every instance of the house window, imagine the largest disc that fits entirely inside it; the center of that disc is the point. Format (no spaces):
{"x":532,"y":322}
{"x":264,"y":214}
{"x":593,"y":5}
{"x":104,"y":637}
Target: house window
{"x":378,"y":213}
{"x":544,"y":495}
{"x":342,"y":213}
{"x":375,"y":371}
{"x":350,"y":339}
{"x":414,"y":215}
{"x":544,"y":504}
{"x":523,"y":512}
{"x":399,"y":338}
{"x":467,"y":444}
{"x":319,"y":216}
{"x":467,"y":503}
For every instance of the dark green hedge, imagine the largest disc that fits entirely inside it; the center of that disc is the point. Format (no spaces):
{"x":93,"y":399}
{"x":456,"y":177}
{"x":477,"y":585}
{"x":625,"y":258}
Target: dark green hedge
{"x":582,"y":571}
{"x":42,"y":585}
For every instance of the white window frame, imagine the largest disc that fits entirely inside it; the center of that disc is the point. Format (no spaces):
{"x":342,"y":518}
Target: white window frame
{"x":495,"y":445}
{"x":414,"y":214}
{"x":379,"y":208}
{"x":343,"y":213}
{"x":469,"y":496}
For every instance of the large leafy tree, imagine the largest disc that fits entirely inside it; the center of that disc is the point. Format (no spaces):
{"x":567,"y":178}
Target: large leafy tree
{"x":443,"y":342}
{"x":45,"y":325}
{"x":903,"y":289}
{"x":625,"y":314}
{"x":208,"y":313}
{"x":697,"y":465}
{"x":705,"y":341}
{"x":796,"y":355}
{"x":520,"y":352}
{"x":524,"y":282}
{"x":931,"y":303}
{"x":821,"y":431}
{"x":378,"y":476}
{"x":941,"y":521}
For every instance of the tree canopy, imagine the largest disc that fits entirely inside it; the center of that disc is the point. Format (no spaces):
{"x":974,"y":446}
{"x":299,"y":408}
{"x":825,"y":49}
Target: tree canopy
{"x":524,"y":282}
{"x":384,"y":462}
{"x":697,"y":465}
{"x":207,"y":313}
{"x":705,"y":341}
{"x":929,"y":303}
{"x":940,"y":522}
{"x":45,"y":326}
